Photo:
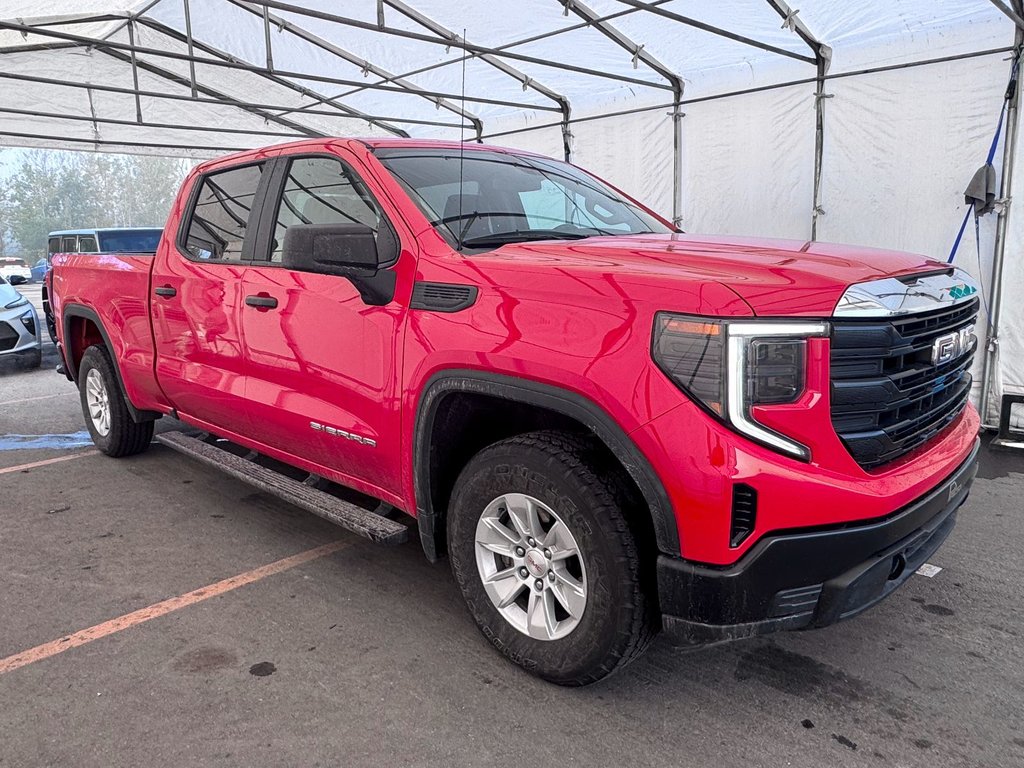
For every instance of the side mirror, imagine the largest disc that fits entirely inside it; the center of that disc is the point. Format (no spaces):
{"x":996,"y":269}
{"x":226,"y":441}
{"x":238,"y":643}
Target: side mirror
{"x":348,"y":250}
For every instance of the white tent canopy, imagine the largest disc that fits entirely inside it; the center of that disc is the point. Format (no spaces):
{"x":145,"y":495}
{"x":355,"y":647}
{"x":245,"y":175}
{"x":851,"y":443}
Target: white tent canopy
{"x":850,"y":122}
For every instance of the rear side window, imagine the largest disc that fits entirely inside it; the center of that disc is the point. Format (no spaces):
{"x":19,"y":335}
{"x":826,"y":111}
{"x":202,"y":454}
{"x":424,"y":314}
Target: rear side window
{"x":320,"y":190}
{"x":68,"y":245}
{"x":221,"y":213}
{"x":87,"y":244}
{"x":53,"y":245}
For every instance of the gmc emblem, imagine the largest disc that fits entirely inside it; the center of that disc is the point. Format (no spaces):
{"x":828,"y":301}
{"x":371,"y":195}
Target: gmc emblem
{"x":952,"y":345}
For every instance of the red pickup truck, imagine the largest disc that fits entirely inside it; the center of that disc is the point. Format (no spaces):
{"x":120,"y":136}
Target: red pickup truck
{"x":607,"y":426}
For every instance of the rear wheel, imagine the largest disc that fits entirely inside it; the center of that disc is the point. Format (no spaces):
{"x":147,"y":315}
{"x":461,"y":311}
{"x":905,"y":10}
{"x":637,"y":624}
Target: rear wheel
{"x":541,"y":549}
{"x":106,"y":413}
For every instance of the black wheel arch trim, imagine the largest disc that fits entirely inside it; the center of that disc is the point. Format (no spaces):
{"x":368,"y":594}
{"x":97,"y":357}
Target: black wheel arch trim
{"x":77,"y":310}
{"x":431,"y":521}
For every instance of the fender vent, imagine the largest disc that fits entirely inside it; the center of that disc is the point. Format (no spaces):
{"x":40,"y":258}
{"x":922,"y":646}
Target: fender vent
{"x":744,"y":513}
{"x":443,"y":297}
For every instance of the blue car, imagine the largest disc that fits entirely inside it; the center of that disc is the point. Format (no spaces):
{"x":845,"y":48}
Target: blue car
{"x":39,"y":270}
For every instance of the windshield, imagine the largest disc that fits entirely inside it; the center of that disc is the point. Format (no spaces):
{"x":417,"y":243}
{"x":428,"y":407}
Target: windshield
{"x":129,"y":240}
{"x":509,"y":198}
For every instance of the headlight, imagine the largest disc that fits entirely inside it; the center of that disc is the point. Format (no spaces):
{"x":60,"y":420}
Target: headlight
{"x":18,"y":302}
{"x":730,"y":366}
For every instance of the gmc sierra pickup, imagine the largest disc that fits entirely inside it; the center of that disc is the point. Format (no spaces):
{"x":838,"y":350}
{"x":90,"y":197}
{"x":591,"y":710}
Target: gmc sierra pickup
{"x":606,"y":425}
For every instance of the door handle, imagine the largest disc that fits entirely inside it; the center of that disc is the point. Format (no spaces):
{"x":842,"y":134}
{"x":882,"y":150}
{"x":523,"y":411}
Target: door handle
{"x":261,"y":301}
{"x":165,"y":290}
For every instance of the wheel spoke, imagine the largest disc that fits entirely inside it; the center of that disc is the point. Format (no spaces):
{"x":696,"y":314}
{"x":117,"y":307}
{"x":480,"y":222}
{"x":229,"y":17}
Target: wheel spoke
{"x":523,"y":513}
{"x":495,"y":537}
{"x":540,"y":615}
{"x":560,"y":542}
{"x":507,"y":587}
{"x":570,"y":594}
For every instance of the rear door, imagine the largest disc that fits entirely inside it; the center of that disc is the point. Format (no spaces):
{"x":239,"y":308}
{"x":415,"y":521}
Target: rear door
{"x":323,"y":365}
{"x":197,"y":288}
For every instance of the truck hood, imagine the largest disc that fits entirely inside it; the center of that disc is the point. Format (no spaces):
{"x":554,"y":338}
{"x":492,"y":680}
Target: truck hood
{"x":775,"y":277}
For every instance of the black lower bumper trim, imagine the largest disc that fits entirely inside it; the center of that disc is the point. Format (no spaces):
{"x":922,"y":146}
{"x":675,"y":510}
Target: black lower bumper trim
{"x":810,"y":578}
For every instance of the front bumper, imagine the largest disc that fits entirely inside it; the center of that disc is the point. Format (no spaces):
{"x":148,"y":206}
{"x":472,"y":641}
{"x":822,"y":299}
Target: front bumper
{"x":15,"y":335}
{"x":810,"y":578}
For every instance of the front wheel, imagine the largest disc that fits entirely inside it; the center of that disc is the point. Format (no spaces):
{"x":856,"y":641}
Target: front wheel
{"x":548,"y":566}
{"x":106,"y":412}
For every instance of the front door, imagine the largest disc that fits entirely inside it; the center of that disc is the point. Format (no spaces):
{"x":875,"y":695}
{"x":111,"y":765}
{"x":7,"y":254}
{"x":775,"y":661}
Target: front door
{"x":197,"y":288}
{"x":323,"y":365}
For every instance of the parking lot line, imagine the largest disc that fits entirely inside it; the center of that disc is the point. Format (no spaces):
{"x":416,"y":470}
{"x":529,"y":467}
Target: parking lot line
{"x":46,"y":650}
{"x":33,"y":399}
{"x":44,"y":462}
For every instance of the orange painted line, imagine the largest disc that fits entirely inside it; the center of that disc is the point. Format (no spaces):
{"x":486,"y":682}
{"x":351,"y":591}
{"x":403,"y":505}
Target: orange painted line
{"x":121,"y":623}
{"x":44,"y":462}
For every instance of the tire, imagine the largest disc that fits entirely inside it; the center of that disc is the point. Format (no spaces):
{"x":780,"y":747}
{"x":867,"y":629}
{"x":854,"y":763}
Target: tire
{"x":563,"y":473}
{"x":32,"y":359}
{"x":110,"y":425}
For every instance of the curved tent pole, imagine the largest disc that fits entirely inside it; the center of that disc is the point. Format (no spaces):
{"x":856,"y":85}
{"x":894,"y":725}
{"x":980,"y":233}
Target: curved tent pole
{"x":494,"y":61}
{"x":303,"y":34}
{"x":674,"y":80}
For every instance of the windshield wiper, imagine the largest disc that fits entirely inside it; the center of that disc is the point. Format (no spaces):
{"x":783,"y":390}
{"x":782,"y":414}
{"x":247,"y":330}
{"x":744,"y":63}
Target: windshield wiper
{"x":521,"y":236}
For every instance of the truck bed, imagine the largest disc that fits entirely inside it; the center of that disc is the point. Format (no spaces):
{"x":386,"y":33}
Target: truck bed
{"x":116,"y":288}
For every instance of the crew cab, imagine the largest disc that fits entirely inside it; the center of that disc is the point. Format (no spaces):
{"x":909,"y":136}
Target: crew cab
{"x":607,"y":426}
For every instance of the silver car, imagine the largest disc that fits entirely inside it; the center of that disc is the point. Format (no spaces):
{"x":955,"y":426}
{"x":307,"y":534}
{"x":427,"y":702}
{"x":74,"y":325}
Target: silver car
{"x":19,"y":328}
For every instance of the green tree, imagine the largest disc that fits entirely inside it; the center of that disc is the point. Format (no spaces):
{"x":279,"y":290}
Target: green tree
{"x":72,"y":190}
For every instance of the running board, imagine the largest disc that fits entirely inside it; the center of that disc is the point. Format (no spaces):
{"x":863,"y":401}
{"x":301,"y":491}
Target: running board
{"x":354,"y":518}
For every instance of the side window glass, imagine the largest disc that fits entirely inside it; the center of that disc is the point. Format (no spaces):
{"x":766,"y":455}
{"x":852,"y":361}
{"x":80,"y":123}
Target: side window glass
{"x":53,"y":245}
{"x":220,"y":216}
{"x":320,"y":190}
{"x":87,"y":244}
{"x":68,"y":245}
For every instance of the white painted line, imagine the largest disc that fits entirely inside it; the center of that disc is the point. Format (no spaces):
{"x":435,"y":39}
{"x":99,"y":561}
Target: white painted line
{"x":44,"y":462}
{"x":33,"y":399}
{"x":928,"y":570}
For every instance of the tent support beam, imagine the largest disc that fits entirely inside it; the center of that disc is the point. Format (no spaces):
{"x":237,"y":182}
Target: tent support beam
{"x":258,"y":70}
{"x":508,"y":46}
{"x":1009,"y":13}
{"x":167,"y":126}
{"x":210,"y":50}
{"x":223,"y":97}
{"x":675,"y":83}
{"x":191,"y":52}
{"x":108,"y":143}
{"x":463,"y":45}
{"x":999,"y":252}
{"x":203,"y":99}
{"x":715,"y":30}
{"x":135,"y":72}
{"x":341,"y":53}
{"x":822,"y":60}
{"x":500,"y":65}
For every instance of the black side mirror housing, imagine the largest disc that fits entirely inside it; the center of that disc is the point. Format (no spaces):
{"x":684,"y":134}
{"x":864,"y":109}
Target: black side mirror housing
{"x":347,"y":250}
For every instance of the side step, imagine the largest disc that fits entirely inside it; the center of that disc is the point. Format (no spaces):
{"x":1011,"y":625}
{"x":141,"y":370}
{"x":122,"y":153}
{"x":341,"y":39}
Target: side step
{"x":350,"y":516}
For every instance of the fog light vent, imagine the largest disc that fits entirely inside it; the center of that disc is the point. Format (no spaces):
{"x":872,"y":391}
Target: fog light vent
{"x":744,"y":513}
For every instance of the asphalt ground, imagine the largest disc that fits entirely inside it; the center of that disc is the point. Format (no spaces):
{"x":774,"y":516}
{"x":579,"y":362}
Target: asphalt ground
{"x":197,"y":653}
